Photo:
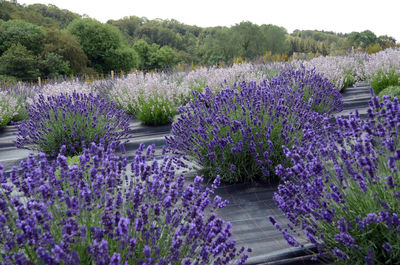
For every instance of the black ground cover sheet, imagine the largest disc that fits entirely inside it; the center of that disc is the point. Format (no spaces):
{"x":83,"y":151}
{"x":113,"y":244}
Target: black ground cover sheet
{"x":249,"y":204}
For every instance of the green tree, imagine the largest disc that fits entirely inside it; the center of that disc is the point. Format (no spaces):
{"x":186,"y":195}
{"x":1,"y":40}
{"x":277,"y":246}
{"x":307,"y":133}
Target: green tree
{"x":248,"y":36}
{"x":147,"y":55}
{"x":122,"y":59}
{"x":128,"y":26}
{"x":5,"y":13}
{"x":386,"y":41}
{"x":62,"y":16}
{"x":20,"y":62}
{"x":167,"y":57}
{"x":18,"y":31}
{"x":362,"y":39}
{"x":275,"y":39}
{"x":100,"y":42}
{"x":66,"y":45}
{"x":54,"y":65}
{"x":368,"y":38}
{"x":221,"y":46}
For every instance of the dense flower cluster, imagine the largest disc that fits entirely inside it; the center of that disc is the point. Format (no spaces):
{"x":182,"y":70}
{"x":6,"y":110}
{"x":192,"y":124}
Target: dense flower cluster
{"x":152,"y":98}
{"x":385,"y":61}
{"x":312,"y":86}
{"x":73,"y":120}
{"x":383,"y":69}
{"x":239,"y":132}
{"x":343,"y":189}
{"x":342,"y":71}
{"x":217,"y":79}
{"x":98,"y":212}
{"x":64,"y":87}
{"x":9,"y":108}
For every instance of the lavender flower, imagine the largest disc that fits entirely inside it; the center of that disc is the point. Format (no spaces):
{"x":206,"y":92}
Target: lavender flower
{"x":73,"y":214}
{"x":386,"y":246}
{"x":343,"y":183}
{"x":71,"y":120}
{"x":239,"y":132}
{"x":9,"y":108}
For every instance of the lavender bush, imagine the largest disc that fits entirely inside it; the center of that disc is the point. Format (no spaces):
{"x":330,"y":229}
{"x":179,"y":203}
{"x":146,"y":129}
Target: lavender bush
{"x":152,"y":98}
{"x":343,"y":189}
{"x":9,"y":108}
{"x":312,"y":86}
{"x":99,"y":212}
{"x":64,"y":87}
{"x":342,"y":71}
{"x":239,"y":135}
{"x":71,"y":120}
{"x":382,"y":69}
{"x":393,"y":91}
{"x":382,"y":80}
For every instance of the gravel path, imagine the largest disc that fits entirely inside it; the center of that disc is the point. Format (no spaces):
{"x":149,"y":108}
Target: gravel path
{"x":356,"y":97}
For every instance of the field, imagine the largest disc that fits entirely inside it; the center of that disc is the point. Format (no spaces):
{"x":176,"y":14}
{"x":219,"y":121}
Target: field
{"x":267,"y":137}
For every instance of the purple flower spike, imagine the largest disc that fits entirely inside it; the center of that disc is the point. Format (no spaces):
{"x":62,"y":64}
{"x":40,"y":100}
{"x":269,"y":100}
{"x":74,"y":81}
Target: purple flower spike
{"x":98,"y":212}
{"x":70,"y":122}
{"x":241,"y":133}
{"x":342,"y":186}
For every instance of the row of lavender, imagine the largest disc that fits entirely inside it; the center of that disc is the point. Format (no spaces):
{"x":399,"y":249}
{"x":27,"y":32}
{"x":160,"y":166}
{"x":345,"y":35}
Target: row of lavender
{"x":339,"y":181}
{"x":154,"y":98}
{"x":342,"y":189}
{"x":279,"y":128}
{"x":78,"y":203}
{"x":339,"y":178}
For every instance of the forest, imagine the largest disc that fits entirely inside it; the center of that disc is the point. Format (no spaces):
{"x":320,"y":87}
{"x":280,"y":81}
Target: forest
{"x":45,"y":41}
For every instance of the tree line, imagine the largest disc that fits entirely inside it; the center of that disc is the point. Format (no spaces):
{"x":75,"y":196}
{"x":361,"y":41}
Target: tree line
{"x":43,"y":40}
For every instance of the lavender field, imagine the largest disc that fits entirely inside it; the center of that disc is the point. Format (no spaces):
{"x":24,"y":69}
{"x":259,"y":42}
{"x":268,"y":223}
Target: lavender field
{"x":306,"y":181}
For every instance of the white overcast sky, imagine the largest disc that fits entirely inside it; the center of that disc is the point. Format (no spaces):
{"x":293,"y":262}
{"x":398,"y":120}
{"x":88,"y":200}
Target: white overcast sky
{"x":380,"y":16}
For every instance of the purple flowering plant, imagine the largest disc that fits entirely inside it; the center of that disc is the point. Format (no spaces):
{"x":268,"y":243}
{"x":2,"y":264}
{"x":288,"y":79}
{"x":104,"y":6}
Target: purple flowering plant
{"x":343,"y":190}
{"x":8,"y":108}
{"x":238,"y":133}
{"x":105,"y":210}
{"x":312,"y":86}
{"x":73,"y":120}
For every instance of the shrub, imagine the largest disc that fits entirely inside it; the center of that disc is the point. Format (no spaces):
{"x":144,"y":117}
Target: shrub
{"x":312,"y":86}
{"x":155,"y":97}
{"x":71,"y":120}
{"x":348,"y":81}
{"x":393,"y":91}
{"x":7,"y":80}
{"x":382,"y":69}
{"x":152,"y":98}
{"x":383,"y":80}
{"x":155,"y":110}
{"x":342,"y":71}
{"x":67,"y":87}
{"x":19,"y":62}
{"x":9,"y":108}
{"x":22,"y":110}
{"x":239,"y":135}
{"x":95,"y":212}
{"x":343,"y":189}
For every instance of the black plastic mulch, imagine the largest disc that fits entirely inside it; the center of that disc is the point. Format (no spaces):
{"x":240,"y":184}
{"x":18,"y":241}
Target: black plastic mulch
{"x":249,"y":204}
